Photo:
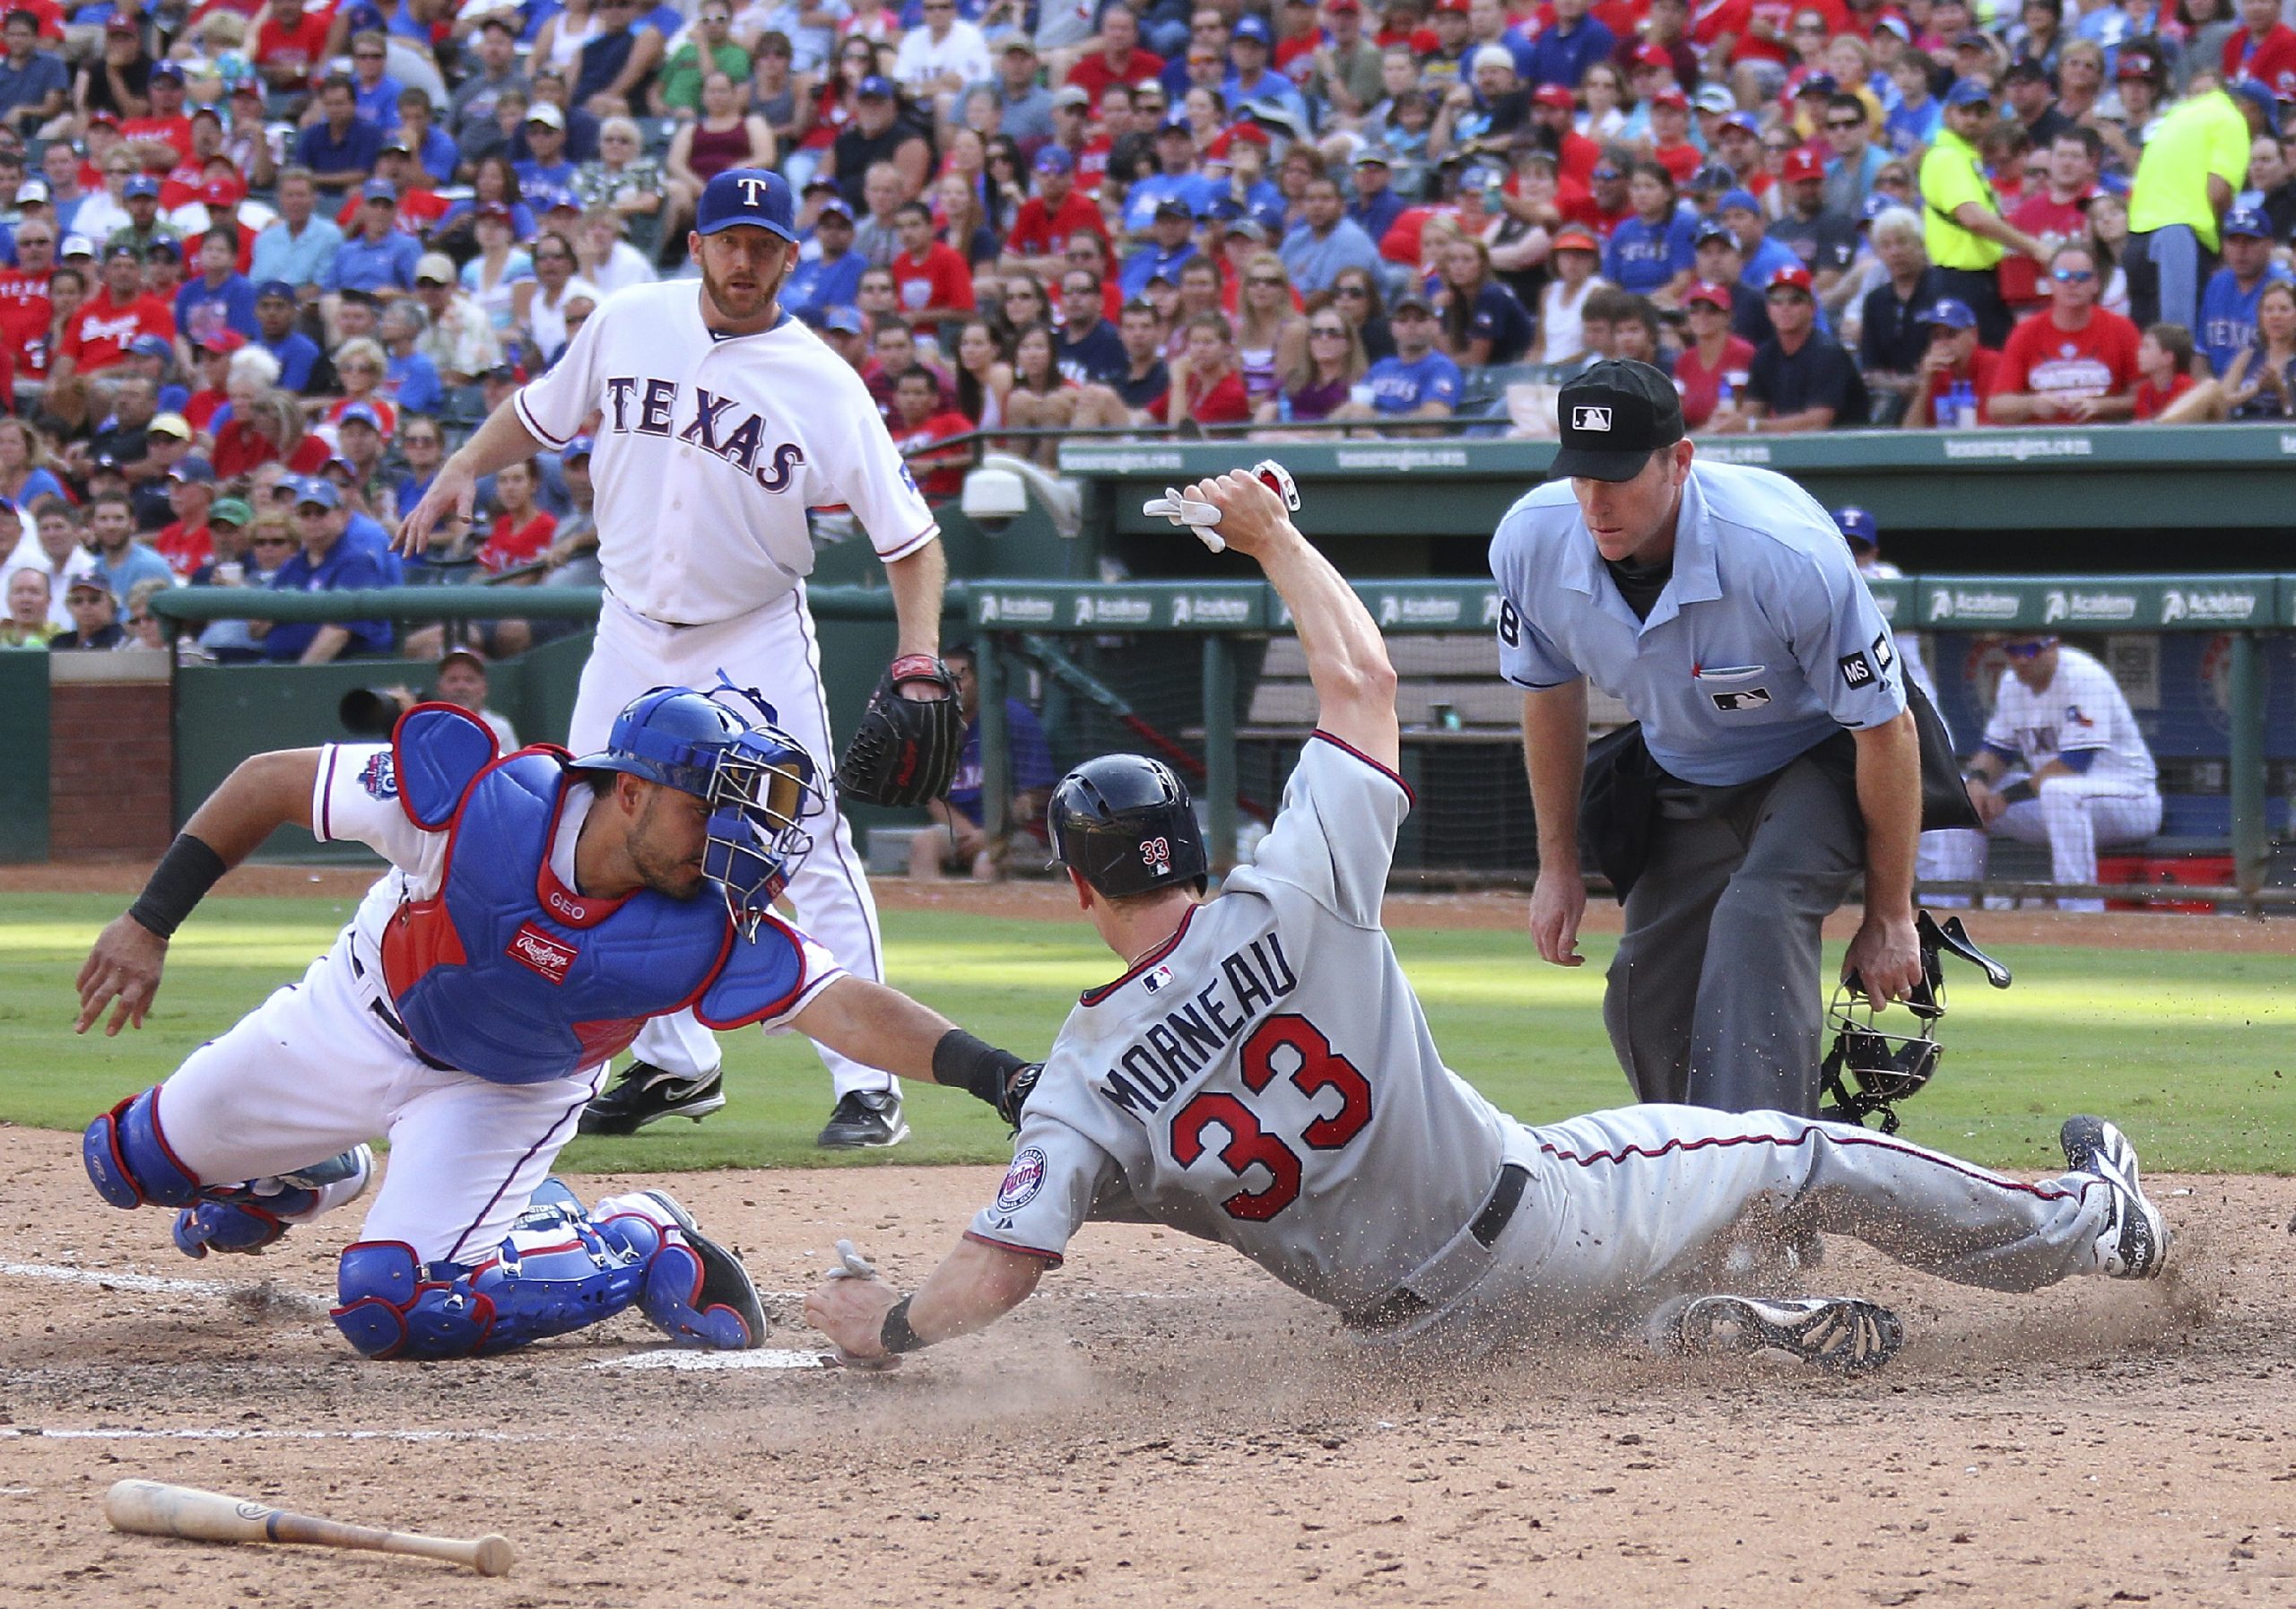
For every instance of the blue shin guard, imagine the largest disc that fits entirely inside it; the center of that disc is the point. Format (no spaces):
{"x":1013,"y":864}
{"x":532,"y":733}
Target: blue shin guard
{"x":128,"y":1160}
{"x":697,"y":1293}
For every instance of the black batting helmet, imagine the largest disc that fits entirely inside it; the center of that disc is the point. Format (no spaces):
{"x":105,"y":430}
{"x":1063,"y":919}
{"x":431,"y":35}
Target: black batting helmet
{"x":1123,"y":823}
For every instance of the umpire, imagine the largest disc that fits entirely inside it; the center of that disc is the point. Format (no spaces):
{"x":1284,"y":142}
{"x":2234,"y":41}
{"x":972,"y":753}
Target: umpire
{"x":1773,"y":759}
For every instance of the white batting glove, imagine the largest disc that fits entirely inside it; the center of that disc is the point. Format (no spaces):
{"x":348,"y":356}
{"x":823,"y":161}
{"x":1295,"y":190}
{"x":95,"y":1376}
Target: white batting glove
{"x":1203,"y":518}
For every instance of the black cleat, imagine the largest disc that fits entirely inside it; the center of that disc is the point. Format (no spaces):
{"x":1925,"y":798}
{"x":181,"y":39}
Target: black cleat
{"x":710,"y":1301}
{"x":864,"y":1120}
{"x":645,"y":1093}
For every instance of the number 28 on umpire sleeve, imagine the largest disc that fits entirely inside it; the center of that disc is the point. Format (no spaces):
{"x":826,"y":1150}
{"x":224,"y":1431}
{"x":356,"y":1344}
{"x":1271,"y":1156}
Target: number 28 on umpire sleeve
{"x":1315,"y":1067}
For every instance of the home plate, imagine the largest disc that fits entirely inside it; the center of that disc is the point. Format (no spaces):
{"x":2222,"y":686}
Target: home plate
{"x":670,"y":1357}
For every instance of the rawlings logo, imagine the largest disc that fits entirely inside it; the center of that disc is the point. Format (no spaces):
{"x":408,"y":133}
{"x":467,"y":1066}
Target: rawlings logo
{"x":379,"y":776}
{"x":537,"y":952}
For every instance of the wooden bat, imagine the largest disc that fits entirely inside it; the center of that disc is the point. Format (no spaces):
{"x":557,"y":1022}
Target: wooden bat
{"x":155,"y":1508}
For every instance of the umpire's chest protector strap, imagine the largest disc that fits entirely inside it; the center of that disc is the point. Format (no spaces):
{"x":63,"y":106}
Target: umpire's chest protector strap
{"x":436,"y":750}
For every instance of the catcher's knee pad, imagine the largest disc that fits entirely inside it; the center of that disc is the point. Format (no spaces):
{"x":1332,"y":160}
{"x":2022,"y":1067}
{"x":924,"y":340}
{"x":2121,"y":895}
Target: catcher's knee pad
{"x":555,"y":1274}
{"x":696,"y":1292}
{"x":128,"y":1160}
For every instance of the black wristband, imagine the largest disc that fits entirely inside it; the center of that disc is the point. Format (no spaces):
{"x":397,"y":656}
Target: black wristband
{"x":896,"y":1337}
{"x":963,"y":1062}
{"x":178,"y":882}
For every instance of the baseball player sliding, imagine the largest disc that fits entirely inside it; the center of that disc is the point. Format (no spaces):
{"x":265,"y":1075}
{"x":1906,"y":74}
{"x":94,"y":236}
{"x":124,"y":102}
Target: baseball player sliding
{"x":719,"y":421}
{"x":1261,"y":1074}
{"x":540,"y":908}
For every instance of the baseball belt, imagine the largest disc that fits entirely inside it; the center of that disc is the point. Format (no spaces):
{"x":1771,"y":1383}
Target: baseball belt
{"x":391,"y":1020}
{"x":1404,"y":1303}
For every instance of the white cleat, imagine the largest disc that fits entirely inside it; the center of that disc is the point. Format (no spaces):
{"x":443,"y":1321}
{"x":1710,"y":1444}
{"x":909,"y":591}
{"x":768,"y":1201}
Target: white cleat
{"x":2134,"y":1243}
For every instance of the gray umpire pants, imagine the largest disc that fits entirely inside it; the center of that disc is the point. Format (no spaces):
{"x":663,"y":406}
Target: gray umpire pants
{"x":1715,"y":998}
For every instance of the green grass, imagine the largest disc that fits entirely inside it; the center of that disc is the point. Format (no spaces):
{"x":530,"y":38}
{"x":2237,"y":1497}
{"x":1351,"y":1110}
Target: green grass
{"x":2194,"y":1053}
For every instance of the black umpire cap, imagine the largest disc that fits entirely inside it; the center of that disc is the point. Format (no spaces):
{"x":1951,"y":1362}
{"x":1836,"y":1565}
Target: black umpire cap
{"x":1614,"y":416}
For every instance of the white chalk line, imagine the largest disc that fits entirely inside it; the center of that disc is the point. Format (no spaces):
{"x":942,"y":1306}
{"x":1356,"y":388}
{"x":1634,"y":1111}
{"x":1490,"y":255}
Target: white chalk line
{"x":242,"y":1433}
{"x":676,"y":1359}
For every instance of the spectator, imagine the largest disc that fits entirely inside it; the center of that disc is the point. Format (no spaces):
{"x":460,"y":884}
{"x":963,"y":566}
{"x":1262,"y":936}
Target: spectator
{"x":1481,"y":322}
{"x":185,"y":541}
{"x":143,"y":629}
{"x":1137,"y":396}
{"x":1954,"y":358}
{"x":1417,"y":382}
{"x":2270,"y":179}
{"x":919,"y":422}
{"x":1891,"y":338}
{"x":1574,"y":257}
{"x":1326,"y":378}
{"x":546,"y":166}
{"x":493,"y":72}
{"x":1207,"y":384}
{"x":544,"y":301}
{"x":1169,"y":248}
{"x":29,"y":474}
{"x":877,"y":236}
{"x":1856,"y":160}
{"x":324,"y":562}
{"x":1800,"y":379}
{"x":833,"y":278}
{"x":411,"y":382}
{"x":496,"y":277}
{"x":1325,"y":241}
{"x":983,"y":378}
{"x":361,"y":364}
{"x":616,"y":63}
{"x":1716,"y":364}
{"x":2262,"y":49}
{"x":2077,"y":361}
{"x":2228,"y":307}
{"x":2193,"y":167}
{"x":622,"y":177}
{"x":460,"y":680}
{"x":297,"y":355}
{"x":27,"y":623}
{"x":725,"y":135}
{"x":602,"y":257}
{"x":2164,"y":358}
{"x":95,"y":619}
{"x":1089,"y":351}
{"x":708,"y":48}
{"x":877,"y":134}
{"x":2057,"y":210}
{"x":1563,"y":53}
{"x":121,"y":561}
{"x":358,"y":464}
{"x":2261,"y":383}
{"x":222,"y":299}
{"x":269,"y":428}
{"x":1964,"y":231}
{"x":34,"y":83}
{"x":933,"y":281}
{"x":2029,"y":88}
{"x":936,"y":62}
{"x":338,"y":151}
{"x":1653,"y":251}
{"x":1023,"y":106}
{"x":97,"y":337}
{"x":1269,"y":334}
{"x":295,"y":251}
{"x":1120,"y":59}
{"x":160,"y":139}
{"x":956,"y":838}
{"x":1251,"y":83}
{"x":522,"y":532}
{"x":1046,"y":220}
{"x":2063,"y":764}
{"x":1822,"y":242}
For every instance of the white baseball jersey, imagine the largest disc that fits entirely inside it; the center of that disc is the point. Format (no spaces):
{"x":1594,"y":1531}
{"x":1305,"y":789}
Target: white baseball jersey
{"x":709,"y":449}
{"x":2081,"y":708}
{"x":1266,"y":1078}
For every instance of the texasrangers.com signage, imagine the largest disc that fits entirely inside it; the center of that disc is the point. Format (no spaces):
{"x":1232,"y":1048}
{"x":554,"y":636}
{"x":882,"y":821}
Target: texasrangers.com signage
{"x":2096,"y":602}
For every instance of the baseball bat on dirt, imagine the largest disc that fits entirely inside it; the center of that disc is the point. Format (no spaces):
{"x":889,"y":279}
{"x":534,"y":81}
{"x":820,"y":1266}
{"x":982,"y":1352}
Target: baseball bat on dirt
{"x":154,"y":1509}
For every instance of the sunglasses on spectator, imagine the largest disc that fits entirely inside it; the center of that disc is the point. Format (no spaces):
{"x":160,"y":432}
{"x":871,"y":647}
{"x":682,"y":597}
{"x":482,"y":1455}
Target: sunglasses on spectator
{"x":1275,"y":281}
{"x":2073,"y":276}
{"x":1206,"y":60}
{"x":1845,"y":122}
{"x":1360,"y":292}
{"x":1335,"y":332}
{"x":2029,"y":650}
{"x":1080,"y":288}
{"x":376,"y":56}
{"x":271,"y":541}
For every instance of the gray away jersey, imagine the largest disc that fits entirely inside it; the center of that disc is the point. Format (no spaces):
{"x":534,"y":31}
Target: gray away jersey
{"x":1266,"y":1078}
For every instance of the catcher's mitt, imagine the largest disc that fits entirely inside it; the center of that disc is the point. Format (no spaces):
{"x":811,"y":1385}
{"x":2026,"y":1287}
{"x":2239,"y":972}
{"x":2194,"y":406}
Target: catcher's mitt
{"x":905,"y":750}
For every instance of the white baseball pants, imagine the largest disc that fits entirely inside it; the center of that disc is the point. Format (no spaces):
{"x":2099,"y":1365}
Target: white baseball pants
{"x":313,"y":1071}
{"x":2072,"y":815}
{"x":774,"y":650}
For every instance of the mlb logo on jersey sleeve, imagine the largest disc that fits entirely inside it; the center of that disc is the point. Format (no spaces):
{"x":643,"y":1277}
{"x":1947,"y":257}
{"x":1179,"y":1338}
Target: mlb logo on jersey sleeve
{"x":1591,"y":419}
{"x":1885,"y":653}
{"x":379,"y":776}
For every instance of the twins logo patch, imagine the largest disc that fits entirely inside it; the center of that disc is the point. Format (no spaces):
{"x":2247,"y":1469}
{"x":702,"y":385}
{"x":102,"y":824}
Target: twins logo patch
{"x":1023,"y":1180}
{"x":537,"y":952}
{"x":1885,"y":653}
{"x":1749,"y":698}
{"x":379,"y":776}
{"x":1591,"y":419}
{"x":1857,"y":669}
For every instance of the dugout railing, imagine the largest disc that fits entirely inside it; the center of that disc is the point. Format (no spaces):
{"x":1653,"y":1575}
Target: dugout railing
{"x":1115,"y":664}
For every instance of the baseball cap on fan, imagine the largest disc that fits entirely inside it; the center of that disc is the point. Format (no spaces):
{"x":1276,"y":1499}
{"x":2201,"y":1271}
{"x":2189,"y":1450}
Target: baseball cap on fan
{"x":750,"y":197}
{"x":1614,"y":416}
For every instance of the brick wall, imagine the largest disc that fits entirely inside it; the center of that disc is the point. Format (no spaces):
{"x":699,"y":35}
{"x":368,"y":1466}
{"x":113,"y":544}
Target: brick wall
{"x":109,"y":787}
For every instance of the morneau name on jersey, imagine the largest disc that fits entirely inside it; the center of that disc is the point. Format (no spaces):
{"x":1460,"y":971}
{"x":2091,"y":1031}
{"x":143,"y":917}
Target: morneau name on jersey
{"x":649,"y":407}
{"x":1189,"y":1038}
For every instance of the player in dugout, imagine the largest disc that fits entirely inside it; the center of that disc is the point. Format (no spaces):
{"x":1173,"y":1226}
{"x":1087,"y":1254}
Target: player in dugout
{"x":1261,"y":1074}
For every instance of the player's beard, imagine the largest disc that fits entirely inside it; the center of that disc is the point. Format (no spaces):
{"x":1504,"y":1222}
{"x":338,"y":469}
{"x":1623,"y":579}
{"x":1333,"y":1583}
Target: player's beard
{"x":741,"y":304}
{"x":665,"y":873}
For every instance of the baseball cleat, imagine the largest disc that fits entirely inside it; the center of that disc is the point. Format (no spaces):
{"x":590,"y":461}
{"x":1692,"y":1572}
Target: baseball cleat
{"x":865,"y":1120}
{"x":2134,"y":1243}
{"x":1844,"y":1334}
{"x":645,"y":1093}
{"x":696,"y":1292}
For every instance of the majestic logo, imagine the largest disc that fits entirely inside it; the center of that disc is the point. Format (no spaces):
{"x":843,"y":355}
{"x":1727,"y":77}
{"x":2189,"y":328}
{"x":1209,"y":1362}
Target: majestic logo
{"x":1856,"y":670}
{"x":1752,"y":698}
{"x":1884,"y":651}
{"x":1156,"y":854}
{"x":1023,"y":1180}
{"x":379,"y":776}
{"x":1591,"y":419}
{"x":537,"y":952}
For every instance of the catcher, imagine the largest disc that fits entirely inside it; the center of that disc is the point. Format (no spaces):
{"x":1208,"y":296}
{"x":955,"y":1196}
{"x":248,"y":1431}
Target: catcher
{"x":1261,"y":1074}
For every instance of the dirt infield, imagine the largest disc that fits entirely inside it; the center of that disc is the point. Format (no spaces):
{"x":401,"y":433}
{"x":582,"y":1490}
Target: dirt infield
{"x":1047,"y":901}
{"x":1161,"y":1426}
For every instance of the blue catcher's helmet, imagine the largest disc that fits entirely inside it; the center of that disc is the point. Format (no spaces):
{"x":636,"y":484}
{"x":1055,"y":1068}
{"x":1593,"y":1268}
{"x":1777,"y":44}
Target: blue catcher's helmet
{"x":757,"y":780}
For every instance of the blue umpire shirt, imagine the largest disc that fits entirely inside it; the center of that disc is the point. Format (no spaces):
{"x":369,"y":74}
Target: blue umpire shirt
{"x":1764,"y":643}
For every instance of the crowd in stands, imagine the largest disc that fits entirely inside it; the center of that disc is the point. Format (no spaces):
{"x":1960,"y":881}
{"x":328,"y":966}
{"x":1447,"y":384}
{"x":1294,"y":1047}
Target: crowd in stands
{"x":263,"y":262}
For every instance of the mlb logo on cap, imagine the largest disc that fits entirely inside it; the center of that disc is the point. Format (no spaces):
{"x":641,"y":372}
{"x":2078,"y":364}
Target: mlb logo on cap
{"x":1614,"y":415}
{"x":750,"y":197}
{"x":1590,"y":419}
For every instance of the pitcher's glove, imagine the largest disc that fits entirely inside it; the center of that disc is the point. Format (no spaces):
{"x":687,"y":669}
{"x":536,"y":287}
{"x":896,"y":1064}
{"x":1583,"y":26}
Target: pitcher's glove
{"x":905,"y":750}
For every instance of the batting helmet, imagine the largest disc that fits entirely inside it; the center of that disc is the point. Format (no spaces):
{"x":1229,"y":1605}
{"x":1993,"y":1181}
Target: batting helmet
{"x":1125,"y":824}
{"x":758,"y":779}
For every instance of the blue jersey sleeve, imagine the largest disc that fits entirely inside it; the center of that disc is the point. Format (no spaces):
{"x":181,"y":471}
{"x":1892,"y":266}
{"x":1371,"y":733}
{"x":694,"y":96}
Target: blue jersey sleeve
{"x":1843,"y":646}
{"x":767,"y":979}
{"x":1525,"y":656}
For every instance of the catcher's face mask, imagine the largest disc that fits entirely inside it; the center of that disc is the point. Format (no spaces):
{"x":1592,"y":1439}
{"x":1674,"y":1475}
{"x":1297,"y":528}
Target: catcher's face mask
{"x":1871,"y":1068}
{"x":761,"y":791}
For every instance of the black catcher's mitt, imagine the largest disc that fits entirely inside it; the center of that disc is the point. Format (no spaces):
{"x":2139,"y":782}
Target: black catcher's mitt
{"x":905,"y":750}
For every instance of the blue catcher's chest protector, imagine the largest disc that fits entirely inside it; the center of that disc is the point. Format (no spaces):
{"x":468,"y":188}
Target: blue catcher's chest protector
{"x":506,"y":973}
